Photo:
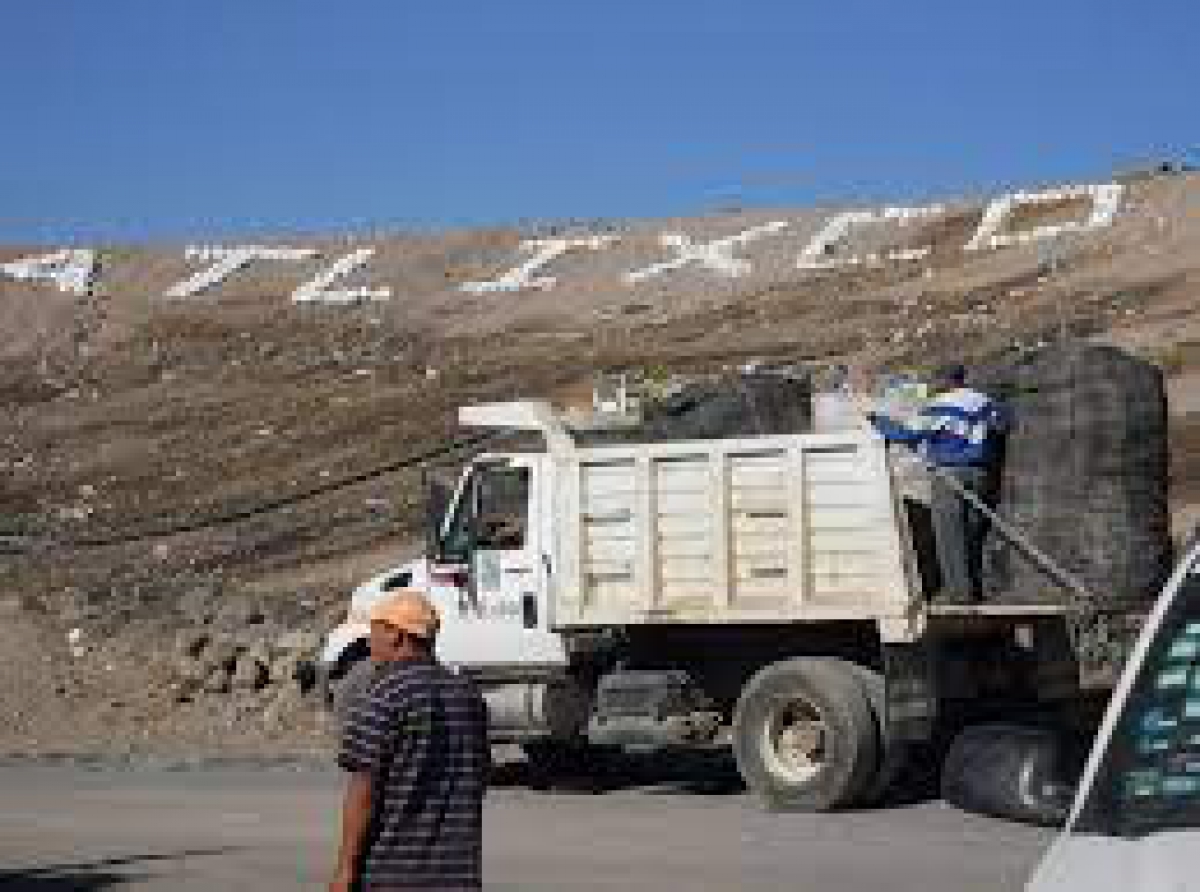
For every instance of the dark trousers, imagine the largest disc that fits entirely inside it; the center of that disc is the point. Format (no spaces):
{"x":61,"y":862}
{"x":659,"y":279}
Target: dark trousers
{"x":959,"y":529}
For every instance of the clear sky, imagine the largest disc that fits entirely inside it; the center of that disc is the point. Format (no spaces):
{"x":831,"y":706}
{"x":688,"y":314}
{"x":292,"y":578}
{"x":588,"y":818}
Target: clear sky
{"x":175,"y":118}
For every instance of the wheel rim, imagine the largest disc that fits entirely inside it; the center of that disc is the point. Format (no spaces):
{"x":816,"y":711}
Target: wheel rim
{"x":796,"y":739}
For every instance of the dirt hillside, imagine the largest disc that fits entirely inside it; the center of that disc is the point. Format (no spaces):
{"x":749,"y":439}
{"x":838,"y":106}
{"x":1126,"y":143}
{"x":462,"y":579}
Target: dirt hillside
{"x":126,"y":414}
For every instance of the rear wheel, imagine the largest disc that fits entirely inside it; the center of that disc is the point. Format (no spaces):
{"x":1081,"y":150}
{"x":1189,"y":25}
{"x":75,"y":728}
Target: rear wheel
{"x":804,"y":735}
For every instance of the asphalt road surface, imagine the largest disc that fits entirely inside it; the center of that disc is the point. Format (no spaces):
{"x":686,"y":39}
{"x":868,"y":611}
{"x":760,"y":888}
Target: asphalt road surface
{"x":232,"y":829}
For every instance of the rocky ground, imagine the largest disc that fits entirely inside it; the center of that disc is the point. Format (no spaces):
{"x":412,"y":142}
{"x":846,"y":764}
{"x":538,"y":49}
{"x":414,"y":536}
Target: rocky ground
{"x":187,"y":693}
{"x":189,"y":489}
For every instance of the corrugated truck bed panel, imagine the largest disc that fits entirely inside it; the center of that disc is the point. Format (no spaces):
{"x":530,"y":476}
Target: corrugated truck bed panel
{"x":771,"y":529}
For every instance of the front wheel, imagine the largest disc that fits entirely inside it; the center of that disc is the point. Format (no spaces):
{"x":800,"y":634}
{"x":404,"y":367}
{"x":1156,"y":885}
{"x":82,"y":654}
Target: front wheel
{"x":804,"y":735}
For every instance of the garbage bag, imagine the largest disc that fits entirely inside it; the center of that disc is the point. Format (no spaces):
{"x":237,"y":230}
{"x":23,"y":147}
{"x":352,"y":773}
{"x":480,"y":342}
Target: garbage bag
{"x":744,"y":405}
{"x":1009,"y":771}
{"x":1084,"y":477}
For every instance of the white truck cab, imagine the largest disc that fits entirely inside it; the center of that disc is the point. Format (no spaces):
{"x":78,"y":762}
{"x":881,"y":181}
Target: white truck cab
{"x":487,"y":571}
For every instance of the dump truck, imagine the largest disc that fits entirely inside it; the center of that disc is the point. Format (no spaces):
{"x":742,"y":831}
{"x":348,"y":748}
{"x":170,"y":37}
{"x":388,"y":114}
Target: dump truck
{"x":765,"y":594}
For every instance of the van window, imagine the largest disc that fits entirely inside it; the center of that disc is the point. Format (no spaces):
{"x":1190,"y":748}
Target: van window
{"x":1149,"y":779}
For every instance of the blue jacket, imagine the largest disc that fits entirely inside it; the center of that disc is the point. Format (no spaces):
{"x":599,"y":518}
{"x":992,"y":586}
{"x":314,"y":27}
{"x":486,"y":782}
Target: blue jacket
{"x":958,"y":428}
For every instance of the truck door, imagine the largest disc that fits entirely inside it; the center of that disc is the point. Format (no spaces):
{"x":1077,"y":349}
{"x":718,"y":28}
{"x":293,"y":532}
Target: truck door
{"x":502,"y":615}
{"x":1135,"y":825}
{"x":504,"y":563}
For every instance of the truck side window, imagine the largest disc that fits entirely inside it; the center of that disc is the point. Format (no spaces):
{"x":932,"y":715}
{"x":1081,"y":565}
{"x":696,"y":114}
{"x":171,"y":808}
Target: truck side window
{"x":503,"y":504}
{"x":455,"y":546}
{"x":1149,"y":779}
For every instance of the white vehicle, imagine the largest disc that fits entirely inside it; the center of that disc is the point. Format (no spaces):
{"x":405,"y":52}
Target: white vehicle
{"x":1135,"y":824}
{"x":762,"y":593}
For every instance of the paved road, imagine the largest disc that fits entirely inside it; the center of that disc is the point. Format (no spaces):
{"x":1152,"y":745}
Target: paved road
{"x":233,"y":829}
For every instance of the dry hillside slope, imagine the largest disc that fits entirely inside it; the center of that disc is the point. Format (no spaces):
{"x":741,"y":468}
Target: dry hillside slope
{"x":125,"y":412}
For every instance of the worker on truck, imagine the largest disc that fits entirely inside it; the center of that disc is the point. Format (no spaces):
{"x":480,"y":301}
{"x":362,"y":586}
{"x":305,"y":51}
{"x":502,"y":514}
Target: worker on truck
{"x":958,"y":432}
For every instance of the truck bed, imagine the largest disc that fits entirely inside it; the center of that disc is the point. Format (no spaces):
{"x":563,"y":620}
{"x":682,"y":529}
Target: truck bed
{"x":797,"y":528}
{"x":769,"y":529}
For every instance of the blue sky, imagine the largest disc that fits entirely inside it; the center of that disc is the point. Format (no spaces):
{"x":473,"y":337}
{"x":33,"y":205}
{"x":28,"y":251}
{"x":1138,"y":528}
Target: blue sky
{"x":132,"y":119}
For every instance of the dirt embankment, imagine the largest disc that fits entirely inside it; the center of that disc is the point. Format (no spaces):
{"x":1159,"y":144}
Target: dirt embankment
{"x":232,"y":419}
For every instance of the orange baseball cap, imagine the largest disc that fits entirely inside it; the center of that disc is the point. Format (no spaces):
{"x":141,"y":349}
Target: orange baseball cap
{"x":410,"y":610}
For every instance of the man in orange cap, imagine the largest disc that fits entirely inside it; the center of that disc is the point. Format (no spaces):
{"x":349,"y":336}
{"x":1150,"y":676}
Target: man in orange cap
{"x":416,"y":746}
{"x":404,"y":625}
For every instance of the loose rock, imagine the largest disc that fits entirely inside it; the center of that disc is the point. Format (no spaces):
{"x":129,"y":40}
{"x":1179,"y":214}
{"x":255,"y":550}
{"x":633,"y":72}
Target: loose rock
{"x":217,"y":682}
{"x":250,"y":674}
{"x":298,"y":641}
{"x":222,"y":654}
{"x":191,"y":642}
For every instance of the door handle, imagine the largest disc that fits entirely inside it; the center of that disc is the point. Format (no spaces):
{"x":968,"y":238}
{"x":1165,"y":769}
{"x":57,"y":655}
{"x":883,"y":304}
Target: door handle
{"x":518,"y":571}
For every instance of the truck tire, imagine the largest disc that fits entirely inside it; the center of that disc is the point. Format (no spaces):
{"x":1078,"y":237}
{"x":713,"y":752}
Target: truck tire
{"x":804,"y":735}
{"x":894,"y":755}
{"x":893,"y":764}
{"x":1008,"y":771}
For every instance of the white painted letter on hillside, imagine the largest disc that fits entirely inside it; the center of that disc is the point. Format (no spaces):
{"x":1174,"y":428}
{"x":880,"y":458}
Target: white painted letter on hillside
{"x":716,"y":255}
{"x":838,"y":228}
{"x":227,"y":261}
{"x":70,"y":270}
{"x":544,"y":250}
{"x":1106,"y":201}
{"x":318,"y":290}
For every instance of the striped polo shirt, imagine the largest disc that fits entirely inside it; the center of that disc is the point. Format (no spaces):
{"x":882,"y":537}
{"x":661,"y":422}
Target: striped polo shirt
{"x":420,"y":730}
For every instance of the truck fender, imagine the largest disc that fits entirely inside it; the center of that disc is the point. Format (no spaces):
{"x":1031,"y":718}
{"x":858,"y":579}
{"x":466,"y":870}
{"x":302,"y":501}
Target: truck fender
{"x":893,"y":753}
{"x":339,"y":640}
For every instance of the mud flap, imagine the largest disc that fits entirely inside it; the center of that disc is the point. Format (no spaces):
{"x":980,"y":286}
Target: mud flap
{"x":910,"y":693}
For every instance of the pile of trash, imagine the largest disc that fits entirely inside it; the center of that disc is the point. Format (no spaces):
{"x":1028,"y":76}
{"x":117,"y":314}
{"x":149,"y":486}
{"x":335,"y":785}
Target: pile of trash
{"x":742,"y":404}
{"x":1085,"y":476}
